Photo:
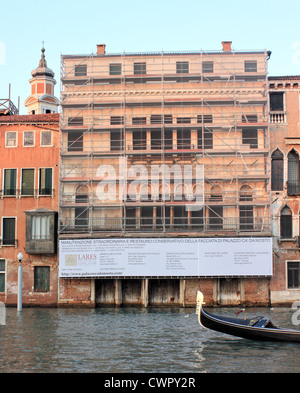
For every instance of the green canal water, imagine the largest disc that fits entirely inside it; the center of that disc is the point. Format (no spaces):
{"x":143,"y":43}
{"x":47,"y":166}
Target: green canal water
{"x":136,"y":340}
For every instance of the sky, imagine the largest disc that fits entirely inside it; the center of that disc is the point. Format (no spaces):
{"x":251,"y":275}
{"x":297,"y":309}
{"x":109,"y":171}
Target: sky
{"x":76,"y":27}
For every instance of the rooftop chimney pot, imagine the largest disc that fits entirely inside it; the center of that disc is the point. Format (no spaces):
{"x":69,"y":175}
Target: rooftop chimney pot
{"x":101,"y":49}
{"x":226,"y":46}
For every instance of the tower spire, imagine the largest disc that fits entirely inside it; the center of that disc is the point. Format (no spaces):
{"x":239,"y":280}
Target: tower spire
{"x":43,"y":63}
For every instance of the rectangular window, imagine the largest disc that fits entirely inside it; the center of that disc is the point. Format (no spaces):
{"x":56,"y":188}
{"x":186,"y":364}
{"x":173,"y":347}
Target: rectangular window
{"x":139,"y":140}
{"x":117,"y":120}
{"x":250,"y":66}
{"x":249,"y":137}
{"x":80,"y":70}
{"x":45,"y":181}
{"x":139,"y":68}
{"x":183,"y":139}
{"x":159,"y":119}
{"x":168,"y":140}
{"x":116,"y":139}
{"x":208,"y":139}
{"x":27,"y":187}
{"x":204,"y":119}
{"x":215,"y":217}
{"x":41,"y":278}
{"x":180,"y":217}
{"x":276,"y":102}
{"x":249,"y":119}
{"x":183,"y":120}
{"x":293,"y":275}
{"x":139,"y":120}
{"x":156,"y":139}
{"x":10,"y":181}
{"x":197,"y":220}
{"x":115,"y":69}
{"x":168,"y":119}
{"x":130,"y":214}
{"x":156,"y":119}
{"x":8,"y":231}
{"x":40,"y":227}
{"x":11,"y":139}
{"x":207,"y":67}
{"x":75,"y":141}
{"x":182,"y":67}
{"x":28,"y":138}
{"x":46,"y":138}
{"x":75,"y":121}
{"x":246,"y":218}
{"x":2,"y":275}
{"x":81,"y":212}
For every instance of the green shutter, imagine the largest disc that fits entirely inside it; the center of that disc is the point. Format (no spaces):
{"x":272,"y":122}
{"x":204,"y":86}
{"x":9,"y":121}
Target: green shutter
{"x":2,"y":275}
{"x":27,"y":181}
{"x":8,"y":234}
{"x":10,"y":181}
{"x":45,"y":184}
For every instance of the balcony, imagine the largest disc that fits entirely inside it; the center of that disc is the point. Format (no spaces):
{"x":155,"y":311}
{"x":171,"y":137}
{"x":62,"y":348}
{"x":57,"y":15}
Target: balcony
{"x":33,"y":193}
{"x":180,"y":223}
{"x":7,"y":241}
{"x":293,"y":187}
{"x":277,"y":117}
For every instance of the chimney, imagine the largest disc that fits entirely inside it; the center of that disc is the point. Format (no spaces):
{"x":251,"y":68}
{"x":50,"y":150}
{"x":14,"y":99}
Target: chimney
{"x":226,"y":46}
{"x":101,"y":49}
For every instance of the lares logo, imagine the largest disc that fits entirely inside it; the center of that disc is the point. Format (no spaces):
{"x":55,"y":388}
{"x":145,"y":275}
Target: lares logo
{"x":296,"y":315}
{"x":87,"y":257}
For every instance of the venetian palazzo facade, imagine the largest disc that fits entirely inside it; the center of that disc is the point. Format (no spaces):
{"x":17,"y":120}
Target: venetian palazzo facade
{"x":29,"y":146}
{"x":169,"y":148}
{"x":285,"y":189}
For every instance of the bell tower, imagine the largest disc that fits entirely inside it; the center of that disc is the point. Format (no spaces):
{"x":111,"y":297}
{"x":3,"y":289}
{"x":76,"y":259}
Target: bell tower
{"x":42,"y":99}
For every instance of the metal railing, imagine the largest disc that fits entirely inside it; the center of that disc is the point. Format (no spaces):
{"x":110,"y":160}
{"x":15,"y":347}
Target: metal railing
{"x":4,"y":242}
{"x":293,"y":187}
{"x":36,"y":193}
{"x":165,"y":224}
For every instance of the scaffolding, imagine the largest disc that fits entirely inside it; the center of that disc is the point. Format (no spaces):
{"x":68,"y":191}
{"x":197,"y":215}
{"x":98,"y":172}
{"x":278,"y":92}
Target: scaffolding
{"x":166,"y":143}
{"x":7,"y":107}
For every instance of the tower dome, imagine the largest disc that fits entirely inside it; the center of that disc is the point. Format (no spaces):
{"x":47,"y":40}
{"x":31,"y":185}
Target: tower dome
{"x":42,"y":99}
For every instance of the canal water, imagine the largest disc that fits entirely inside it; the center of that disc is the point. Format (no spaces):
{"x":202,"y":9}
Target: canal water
{"x":136,"y":340}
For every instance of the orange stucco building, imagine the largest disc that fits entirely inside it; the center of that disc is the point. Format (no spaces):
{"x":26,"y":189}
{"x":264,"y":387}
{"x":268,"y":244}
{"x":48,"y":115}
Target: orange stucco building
{"x":285,"y":187}
{"x":29,"y":197}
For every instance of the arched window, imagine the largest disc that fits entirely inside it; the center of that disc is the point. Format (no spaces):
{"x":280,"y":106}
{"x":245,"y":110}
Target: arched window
{"x":293,"y":173}
{"x":246,"y":193}
{"x":286,"y":231}
{"x":277,"y":171}
{"x":216,"y":194}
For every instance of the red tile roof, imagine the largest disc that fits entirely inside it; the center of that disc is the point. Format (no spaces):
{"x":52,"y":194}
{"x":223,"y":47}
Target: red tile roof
{"x":43,"y":118}
{"x":285,"y":77}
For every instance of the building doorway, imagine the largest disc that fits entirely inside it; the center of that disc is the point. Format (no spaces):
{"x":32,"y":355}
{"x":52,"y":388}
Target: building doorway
{"x":229,"y":291}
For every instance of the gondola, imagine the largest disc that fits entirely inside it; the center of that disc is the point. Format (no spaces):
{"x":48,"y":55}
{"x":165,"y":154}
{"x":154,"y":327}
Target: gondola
{"x":259,"y":328}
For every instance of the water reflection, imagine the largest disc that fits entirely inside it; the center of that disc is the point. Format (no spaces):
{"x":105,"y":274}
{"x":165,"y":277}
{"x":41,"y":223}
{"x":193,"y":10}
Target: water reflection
{"x":134,"y":340}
